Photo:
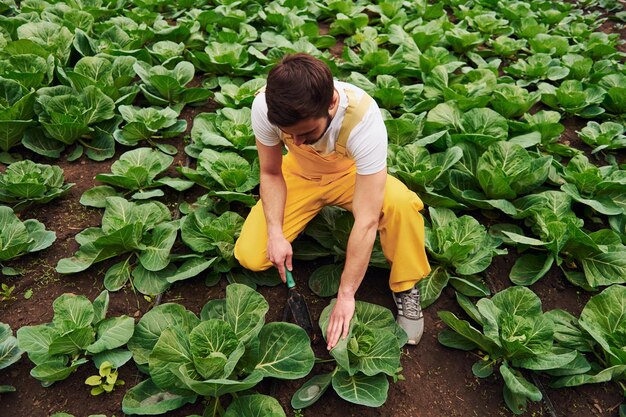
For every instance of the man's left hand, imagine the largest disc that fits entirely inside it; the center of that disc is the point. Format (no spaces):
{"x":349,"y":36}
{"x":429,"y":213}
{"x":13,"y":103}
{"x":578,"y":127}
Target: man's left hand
{"x":339,"y":324}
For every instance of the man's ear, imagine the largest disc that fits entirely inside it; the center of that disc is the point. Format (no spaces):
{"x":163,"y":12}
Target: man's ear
{"x":334,"y":101}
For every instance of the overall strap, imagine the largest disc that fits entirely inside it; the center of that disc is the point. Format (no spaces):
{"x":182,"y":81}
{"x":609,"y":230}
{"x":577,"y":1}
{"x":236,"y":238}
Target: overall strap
{"x":354,"y":113}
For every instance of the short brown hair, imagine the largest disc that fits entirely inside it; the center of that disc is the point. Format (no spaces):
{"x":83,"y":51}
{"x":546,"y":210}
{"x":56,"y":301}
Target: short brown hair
{"x":299,"y":87}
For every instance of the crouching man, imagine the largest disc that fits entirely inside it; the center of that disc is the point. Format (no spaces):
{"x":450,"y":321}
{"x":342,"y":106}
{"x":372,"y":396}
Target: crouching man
{"x":337,"y":153}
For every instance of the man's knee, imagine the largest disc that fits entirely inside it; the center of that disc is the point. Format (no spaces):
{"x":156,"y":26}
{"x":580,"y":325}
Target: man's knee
{"x":251,"y":257}
{"x":398,"y":200}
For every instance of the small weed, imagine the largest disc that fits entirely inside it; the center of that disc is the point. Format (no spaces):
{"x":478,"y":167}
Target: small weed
{"x":6,"y":293}
{"x":105,"y":381}
{"x":298,"y":413}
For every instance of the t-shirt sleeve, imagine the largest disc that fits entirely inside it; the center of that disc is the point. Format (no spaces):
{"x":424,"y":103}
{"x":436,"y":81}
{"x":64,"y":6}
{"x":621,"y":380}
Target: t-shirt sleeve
{"x":264,"y":131}
{"x":367,"y":143}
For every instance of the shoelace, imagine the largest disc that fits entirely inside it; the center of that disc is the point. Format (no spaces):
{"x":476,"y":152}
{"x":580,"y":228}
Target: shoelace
{"x":411,"y":305}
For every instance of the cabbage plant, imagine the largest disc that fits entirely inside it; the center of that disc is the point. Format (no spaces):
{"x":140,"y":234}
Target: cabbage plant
{"x":136,"y":172}
{"x":504,"y":171}
{"x":149,"y":123}
{"x":608,"y":135}
{"x":16,"y":112}
{"x":144,"y":232}
{"x":225,"y":172}
{"x":18,"y":238}
{"x":78,"y":329}
{"x":213,"y":236}
{"x":237,"y":94}
{"x":162,"y":86}
{"x":364,"y":360}
{"x":26,"y":182}
{"x":227,"y":350}
{"x":601,"y":188}
{"x":513,"y":101}
{"x":112,"y":76}
{"x":536,"y":68}
{"x":11,"y":353}
{"x":600,"y":331}
{"x":514,"y":334}
{"x":461,"y":248}
{"x":425,"y":173}
{"x":226,"y":128}
{"x":615,"y":98}
{"x":573,"y":97}
{"x":68,"y":117}
{"x":588,"y":259}
{"x":53,"y":38}
{"x":28,"y":69}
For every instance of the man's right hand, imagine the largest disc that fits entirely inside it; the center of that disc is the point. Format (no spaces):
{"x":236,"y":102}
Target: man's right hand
{"x":279,"y":252}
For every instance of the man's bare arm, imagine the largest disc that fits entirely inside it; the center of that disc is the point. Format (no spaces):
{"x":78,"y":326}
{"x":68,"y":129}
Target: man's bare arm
{"x":273,"y":198}
{"x":367,"y":204}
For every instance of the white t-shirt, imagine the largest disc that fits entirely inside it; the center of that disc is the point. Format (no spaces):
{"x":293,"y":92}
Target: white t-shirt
{"x":367,"y":143}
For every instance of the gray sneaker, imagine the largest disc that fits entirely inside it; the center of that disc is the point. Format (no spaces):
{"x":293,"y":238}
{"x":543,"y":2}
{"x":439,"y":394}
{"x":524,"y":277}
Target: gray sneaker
{"x":410,"y":316}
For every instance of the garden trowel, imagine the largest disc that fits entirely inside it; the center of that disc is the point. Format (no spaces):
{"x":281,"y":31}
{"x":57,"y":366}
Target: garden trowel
{"x":297,"y":305}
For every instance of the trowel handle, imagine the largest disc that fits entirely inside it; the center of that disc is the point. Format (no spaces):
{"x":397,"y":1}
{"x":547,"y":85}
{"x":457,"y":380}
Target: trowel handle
{"x":290,"y":282}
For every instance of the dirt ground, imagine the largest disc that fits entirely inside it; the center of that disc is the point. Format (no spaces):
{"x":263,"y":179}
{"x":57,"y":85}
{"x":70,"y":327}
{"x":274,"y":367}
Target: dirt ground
{"x":438,"y":380}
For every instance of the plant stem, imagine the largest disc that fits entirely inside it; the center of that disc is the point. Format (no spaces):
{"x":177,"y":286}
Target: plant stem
{"x":213,"y":408}
{"x":317,"y":360}
{"x":82,"y":142}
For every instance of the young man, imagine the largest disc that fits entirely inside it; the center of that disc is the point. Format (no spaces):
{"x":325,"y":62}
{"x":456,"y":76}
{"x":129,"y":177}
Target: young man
{"x":337,"y":153}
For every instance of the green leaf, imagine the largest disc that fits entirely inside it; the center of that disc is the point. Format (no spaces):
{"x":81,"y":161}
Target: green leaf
{"x":170,"y":352}
{"x":517,"y":403}
{"x":214,"y":309}
{"x":245,"y":311}
{"x":9,"y":350}
{"x":518,"y":384}
{"x":116,"y":357}
{"x":464,"y":329}
{"x":253,"y":406}
{"x":547,"y":361}
{"x":112,"y":333}
{"x":152,"y":283}
{"x":432,"y":286}
{"x":529,"y":268}
{"x":605,"y":375}
{"x":311,"y":391}
{"x":285,"y":349}
{"x":359,"y":389}
{"x":603,"y":318}
{"x":148,"y":399}
{"x":324,"y":281}
{"x":482,"y":368}
{"x":100,"y":307}
{"x":470,"y":286}
{"x":605,"y":268}
{"x":55,"y":371}
{"x":454,"y":340}
{"x":153,"y":323}
{"x":72,"y":312}
{"x":155,"y":256}
{"x":72,"y":342}
{"x":117,"y":276}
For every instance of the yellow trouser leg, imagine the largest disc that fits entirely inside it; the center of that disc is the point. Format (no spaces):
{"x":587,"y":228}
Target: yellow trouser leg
{"x":303,"y":203}
{"x":401,"y":231}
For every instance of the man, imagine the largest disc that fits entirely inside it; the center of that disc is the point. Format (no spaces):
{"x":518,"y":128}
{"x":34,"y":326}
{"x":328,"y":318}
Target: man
{"x":337,"y":153}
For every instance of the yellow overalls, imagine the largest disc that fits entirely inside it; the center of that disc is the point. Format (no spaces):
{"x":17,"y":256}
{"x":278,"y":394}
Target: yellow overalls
{"x":314,"y":181}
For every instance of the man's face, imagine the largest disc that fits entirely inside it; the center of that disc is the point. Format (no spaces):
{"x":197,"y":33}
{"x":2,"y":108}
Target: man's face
{"x":308,"y":131}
